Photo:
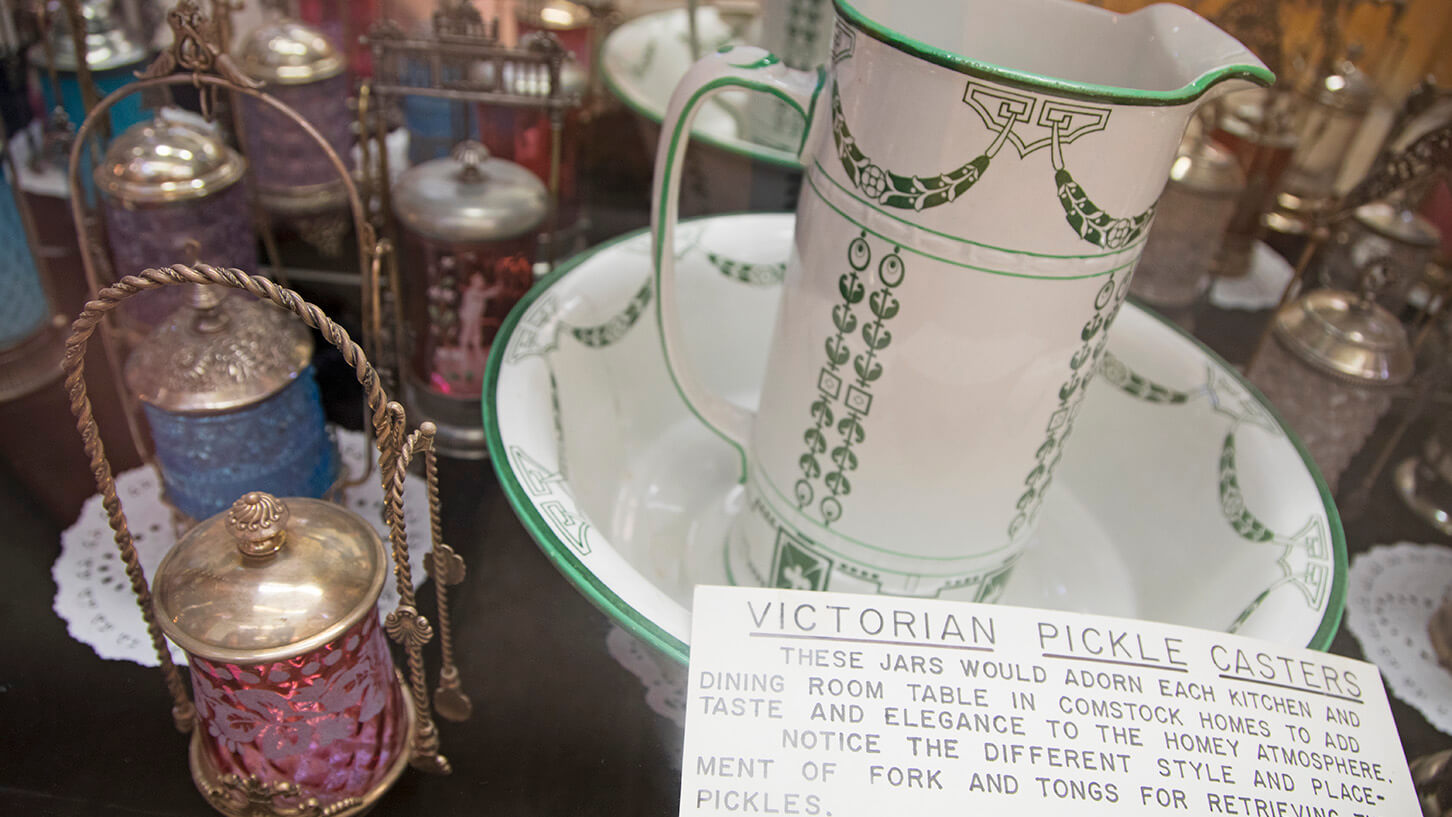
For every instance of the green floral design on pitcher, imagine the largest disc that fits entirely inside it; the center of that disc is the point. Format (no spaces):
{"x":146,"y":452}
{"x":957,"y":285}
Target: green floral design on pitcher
{"x":838,"y":390}
{"x":895,"y":190}
{"x":1087,"y":218}
{"x":1094,"y":335}
{"x":907,"y":192}
{"x":1093,"y":224}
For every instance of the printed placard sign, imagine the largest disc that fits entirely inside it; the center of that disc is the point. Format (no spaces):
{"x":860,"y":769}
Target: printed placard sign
{"x":838,"y":705}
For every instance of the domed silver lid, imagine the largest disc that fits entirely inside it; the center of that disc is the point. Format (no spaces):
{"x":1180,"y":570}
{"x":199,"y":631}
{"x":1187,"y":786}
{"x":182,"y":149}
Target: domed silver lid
{"x":1398,"y":224}
{"x":269,"y":579}
{"x":219,"y":353}
{"x":287,"y":52}
{"x":108,"y":43}
{"x":161,"y":161}
{"x":469,"y":197}
{"x":1346,"y":336}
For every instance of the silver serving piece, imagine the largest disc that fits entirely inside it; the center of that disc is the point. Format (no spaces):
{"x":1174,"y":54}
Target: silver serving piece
{"x":1330,"y":370}
{"x":169,"y":190}
{"x":469,"y":226}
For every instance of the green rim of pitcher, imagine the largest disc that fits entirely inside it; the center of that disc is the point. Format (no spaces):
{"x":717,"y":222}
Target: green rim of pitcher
{"x":1257,"y":74}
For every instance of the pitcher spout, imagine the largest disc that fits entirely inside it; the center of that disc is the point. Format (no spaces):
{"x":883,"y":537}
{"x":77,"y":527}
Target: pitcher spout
{"x":1159,"y":55}
{"x":1200,"y":59}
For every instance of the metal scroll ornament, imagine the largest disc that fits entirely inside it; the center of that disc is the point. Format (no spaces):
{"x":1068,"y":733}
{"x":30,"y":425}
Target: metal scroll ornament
{"x":323,"y":669}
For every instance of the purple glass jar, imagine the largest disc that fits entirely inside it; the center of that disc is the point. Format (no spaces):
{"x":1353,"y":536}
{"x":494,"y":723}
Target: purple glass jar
{"x":303,"y":70}
{"x":170,"y":194}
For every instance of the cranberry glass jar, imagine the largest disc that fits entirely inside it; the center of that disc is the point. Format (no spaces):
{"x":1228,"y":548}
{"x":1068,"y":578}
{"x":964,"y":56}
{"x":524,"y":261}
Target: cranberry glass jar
{"x":274,"y":602}
{"x":470,"y":226}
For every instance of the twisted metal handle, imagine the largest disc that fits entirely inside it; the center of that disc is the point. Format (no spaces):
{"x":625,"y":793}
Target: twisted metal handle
{"x":73,"y":364}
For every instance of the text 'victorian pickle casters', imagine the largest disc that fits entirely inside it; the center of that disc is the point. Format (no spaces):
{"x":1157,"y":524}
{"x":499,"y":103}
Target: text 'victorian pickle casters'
{"x":980,"y":178}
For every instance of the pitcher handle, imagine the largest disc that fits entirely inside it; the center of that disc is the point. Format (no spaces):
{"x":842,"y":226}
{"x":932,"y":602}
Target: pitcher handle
{"x":753,"y":69}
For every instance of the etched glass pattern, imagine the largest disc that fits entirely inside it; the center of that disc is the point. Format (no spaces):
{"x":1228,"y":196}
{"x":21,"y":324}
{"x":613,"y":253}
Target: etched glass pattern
{"x":283,"y":155}
{"x":156,"y":236}
{"x":23,"y":307}
{"x":330,"y":720}
{"x":279,"y":445}
{"x":1180,"y":253}
{"x":469,"y":289}
{"x":1332,"y":417}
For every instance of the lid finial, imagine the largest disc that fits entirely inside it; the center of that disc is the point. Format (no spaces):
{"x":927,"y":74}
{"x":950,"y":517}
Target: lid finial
{"x":471,"y":154}
{"x":258,"y":522}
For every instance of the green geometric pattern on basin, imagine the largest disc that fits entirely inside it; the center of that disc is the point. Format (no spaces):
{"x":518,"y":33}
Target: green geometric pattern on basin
{"x":1232,"y":502}
{"x":1113,"y":370}
{"x":616,"y":326}
{"x":613,"y":329}
{"x":844,"y":392}
{"x":747,"y":272}
{"x":1306,"y":561}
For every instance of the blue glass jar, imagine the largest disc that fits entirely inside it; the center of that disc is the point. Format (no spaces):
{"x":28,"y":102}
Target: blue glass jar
{"x":113,"y":55}
{"x":24,"y":309}
{"x":229,"y":395}
{"x":30,"y":341}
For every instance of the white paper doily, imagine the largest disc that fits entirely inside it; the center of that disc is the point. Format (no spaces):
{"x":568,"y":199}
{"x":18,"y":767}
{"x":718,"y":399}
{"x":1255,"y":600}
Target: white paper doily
{"x":1392,"y":591}
{"x":665,"y":687}
{"x":1260,"y":287}
{"x":94,"y":596}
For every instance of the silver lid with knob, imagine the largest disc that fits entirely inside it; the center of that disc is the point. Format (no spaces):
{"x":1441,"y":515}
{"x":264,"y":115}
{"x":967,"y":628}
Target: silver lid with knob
{"x":218,"y":353}
{"x":470,"y":197}
{"x":268,"y":579}
{"x":1347,"y":336}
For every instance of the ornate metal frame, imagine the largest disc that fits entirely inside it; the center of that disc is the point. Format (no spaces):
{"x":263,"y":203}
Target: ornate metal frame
{"x":396,"y":447}
{"x":195,"y":49}
{"x":461,"y":37}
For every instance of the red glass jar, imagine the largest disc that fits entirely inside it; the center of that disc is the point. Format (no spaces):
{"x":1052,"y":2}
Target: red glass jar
{"x":274,"y":602}
{"x":470,"y":229}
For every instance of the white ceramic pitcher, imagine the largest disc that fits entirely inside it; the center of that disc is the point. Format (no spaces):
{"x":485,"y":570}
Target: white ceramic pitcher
{"x":980,"y":176}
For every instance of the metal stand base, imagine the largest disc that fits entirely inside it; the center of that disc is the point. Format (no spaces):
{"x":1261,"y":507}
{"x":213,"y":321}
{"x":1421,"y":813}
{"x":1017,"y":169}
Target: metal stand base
{"x":460,"y":422}
{"x":32,"y":363}
{"x":1427,"y":495}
